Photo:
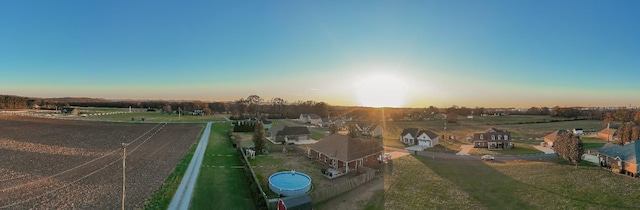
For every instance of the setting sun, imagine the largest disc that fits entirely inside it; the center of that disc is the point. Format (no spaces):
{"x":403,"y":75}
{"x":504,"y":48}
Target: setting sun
{"x":381,"y":90}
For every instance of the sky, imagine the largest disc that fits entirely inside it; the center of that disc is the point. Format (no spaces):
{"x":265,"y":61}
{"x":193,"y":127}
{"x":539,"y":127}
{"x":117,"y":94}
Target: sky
{"x":492,"y":53}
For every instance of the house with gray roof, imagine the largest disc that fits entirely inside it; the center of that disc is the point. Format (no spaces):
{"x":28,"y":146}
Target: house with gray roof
{"x":419,"y":137}
{"x":621,"y":159}
{"x":493,"y":139}
{"x":344,"y":153}
{"x":285,"y":134}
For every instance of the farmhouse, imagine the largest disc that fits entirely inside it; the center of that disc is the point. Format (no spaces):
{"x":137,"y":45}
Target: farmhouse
{"x":609,"y":134}
{"x":285,"y":134}
{"x":73,"y":111}
{"x":345,"y":154}
{"x":493,"y":139}
{"x":420,"y":137}
{"x":620,"y":159}
{"x":312,"y":119}
{"x":553,"y":136}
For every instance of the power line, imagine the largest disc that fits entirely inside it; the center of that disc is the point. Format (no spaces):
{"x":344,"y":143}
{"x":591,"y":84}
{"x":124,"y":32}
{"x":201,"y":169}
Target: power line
{"x":96,"y":171}
{"x":74,"y":168}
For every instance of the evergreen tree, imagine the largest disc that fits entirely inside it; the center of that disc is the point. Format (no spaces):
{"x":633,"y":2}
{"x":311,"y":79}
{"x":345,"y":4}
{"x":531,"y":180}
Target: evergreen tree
{"x":259,"y":136}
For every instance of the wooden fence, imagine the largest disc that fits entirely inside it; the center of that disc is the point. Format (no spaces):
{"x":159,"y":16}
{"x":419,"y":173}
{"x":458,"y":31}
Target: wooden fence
{"x":342,"y":185}
{"x":259,"y":197}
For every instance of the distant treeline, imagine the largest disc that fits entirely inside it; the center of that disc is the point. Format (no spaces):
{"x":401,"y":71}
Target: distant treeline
{"x":277,"y":108}
{"x":19,"y":102}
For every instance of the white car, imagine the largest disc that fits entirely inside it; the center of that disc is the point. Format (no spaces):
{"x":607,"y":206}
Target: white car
{"x":487,"y":157}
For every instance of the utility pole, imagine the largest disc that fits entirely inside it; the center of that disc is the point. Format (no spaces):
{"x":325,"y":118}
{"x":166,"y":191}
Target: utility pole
{"x":608,"y":132}
{"x":124,"y":156}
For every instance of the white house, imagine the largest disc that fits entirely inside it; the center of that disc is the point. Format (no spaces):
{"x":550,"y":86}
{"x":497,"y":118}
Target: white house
{"x":578,"y":131}
{"x":420,"y":137}
{"x":312,"y":119}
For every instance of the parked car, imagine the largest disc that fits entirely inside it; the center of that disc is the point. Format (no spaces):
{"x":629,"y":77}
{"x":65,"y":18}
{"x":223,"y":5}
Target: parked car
{"x":487,"y":157}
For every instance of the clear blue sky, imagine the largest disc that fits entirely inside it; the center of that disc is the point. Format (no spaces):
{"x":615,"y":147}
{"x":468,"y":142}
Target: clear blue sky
{"x":470,"y":53}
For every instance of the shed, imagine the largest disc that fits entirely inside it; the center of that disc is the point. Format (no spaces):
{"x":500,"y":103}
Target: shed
{"x":302,"y":202}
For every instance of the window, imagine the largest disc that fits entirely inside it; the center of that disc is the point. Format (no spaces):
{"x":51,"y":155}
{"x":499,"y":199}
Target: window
{"x":481,"y":136}
{"x":499,"y":137}
{"x":493,"y":137}
{"x":506,"y":137}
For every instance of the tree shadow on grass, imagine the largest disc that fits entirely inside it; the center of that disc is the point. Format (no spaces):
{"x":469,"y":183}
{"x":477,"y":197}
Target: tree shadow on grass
{"x":493,"y":188}
{"x":490,"y":187}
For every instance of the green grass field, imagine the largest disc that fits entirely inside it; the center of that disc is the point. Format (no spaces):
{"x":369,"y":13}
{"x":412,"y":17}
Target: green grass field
{"x":473,"y":184}
{"x":520,"y":149}
{"x":107,"y":109}
{"x":220,"y":185}
{"x":156,"y":117}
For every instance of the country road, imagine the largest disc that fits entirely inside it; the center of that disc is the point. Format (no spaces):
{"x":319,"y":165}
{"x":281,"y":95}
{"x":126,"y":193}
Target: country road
{"x":182,"y":198}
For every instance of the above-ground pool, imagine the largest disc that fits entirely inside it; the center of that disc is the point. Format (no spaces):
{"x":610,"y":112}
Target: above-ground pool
{"x":289,"y":183}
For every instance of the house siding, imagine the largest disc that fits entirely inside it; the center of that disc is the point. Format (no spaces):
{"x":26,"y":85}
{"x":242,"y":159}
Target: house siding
{"x":618,"y":166}
{"x":493,"y":140}
{"x":408,"y":139}
{"x":368,"y":161}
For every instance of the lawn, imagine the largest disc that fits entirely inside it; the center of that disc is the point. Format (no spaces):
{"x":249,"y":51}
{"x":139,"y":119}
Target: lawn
{"x":244,"y":139}
{"x":474,"y":184}
{"x":520,"y":149}
{"x":222,"y":168}
{"x":592,"y":142}
{"x":316,"y":135}
{"x":440,"y":148}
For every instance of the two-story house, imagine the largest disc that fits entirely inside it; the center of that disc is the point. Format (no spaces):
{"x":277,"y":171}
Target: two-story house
{"x":493,"y":139}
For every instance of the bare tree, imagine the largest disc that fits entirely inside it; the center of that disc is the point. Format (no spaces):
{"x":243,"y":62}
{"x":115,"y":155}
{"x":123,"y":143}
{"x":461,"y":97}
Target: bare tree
{"x":623,"y":115}
{"x":254,"y":102}
{"x":608,"y":118}
{"x":635,"y":133}
{"x":206,"y":110}
{"x":166,"y":108}
{"x":241,"y":106}
{"x":636,"y":117}
{"x":278,"y":105}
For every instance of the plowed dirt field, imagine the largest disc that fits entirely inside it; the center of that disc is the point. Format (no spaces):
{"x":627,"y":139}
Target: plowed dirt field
{"x":66,"y":164}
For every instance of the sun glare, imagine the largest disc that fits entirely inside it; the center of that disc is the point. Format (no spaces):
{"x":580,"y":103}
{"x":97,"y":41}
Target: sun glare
{"x":381,"y":90}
